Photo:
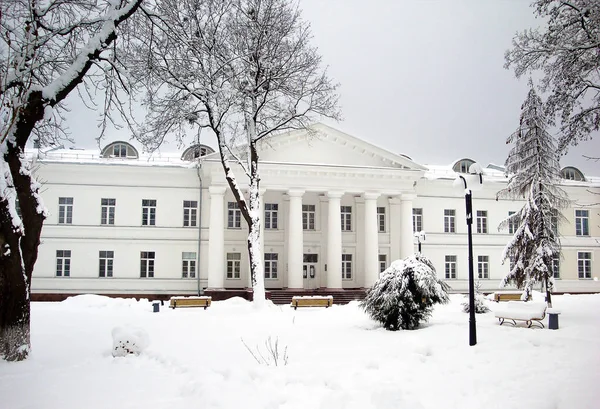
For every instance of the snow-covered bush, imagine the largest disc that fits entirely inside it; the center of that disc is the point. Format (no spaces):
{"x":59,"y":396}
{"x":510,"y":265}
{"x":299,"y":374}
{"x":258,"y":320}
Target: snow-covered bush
{"x":480,"y":302}
{"x":272,"y":354}
{"x":405,"y":293}
{"x":129,"y":341}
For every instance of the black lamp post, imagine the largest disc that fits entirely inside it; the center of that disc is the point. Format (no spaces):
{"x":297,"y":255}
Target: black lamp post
{"x":469,"y":208}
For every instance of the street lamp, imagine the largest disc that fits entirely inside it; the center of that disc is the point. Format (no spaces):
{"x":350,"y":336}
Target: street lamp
{"x":474,"y":169}
{"x":420,"y":235}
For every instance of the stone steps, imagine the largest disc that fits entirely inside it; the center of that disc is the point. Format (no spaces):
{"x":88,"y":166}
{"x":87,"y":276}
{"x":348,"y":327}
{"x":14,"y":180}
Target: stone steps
{"x":282,"y":297}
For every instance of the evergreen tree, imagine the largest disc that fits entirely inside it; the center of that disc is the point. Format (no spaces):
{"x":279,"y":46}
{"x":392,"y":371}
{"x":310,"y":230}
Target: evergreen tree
{"x":480,"y":304}
{"x":405,"y":294}
{"x":533,"y":164}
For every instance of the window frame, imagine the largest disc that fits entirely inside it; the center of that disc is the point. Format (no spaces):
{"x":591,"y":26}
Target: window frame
{"x":417,"y":214}
{"x":65,"y":210}
{"x":449,"y":220}
{"x":584,"y":265}
{"x":234,"y":215}
{"x":309,"y":217}
{"x":63,"y":263}
{"x":556,"y":267}
{"x":582,"y":222}
{"x":106,"y":261}
{"x":147,"y":264}
{"x":271,"y":266}
{"x":107,"y":211}
{"x":233,"y":265}
{"x":482,"y":221}
{"x":190,"y":213}
{"x":271,"y":216}
{"x":382,"y":260}
{"x":483,"y":267}
{"x":149,"y":212}
{"x":347,"y":267}
{"x":188,"y":264}
{"x":346,"y":218}
{"x":381,"y":219}
{"x":450,"y":264}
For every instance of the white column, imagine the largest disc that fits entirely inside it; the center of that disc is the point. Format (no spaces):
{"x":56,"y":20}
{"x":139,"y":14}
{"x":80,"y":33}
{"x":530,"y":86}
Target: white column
{"x":216,"y":244}
{"x":371,"y":254}
{"x":334,"y":241}
{"x":295,"y":239}
{"x":395,"y":228}
{"x":407,"y":246}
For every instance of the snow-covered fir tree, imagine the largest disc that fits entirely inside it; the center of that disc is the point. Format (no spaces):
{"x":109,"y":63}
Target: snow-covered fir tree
{"x":535,"y":175}
{"x":480,"y":303}
{"x":404,"y":295}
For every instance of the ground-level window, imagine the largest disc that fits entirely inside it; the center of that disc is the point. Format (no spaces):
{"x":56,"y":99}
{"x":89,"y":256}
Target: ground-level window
{"x":234,"y":264}
{"x":188,"y":264}
{"x":382,"y":262}
{"x":147,"y":264}
{"x":63,"y":263}
{"x":271,"y":265}
{"x":347,"y":266}
{"x":106,"y":261}
{"x":450,"y":267}
{"x":483,"y":266}
{"x":584,"y":264}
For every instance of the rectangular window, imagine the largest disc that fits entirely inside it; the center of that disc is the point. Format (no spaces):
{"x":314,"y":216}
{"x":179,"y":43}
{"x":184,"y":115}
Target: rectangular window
{"x":63,"y":263}
{"x":65,"y":210}
{"x":483,"y":266}
{"x":107,"y":211}
{"x":271,"y":265}
{"x":234,"y":262}
{"x":147,"y":264}
{"x":381,"y":219}
{"x":347,"y":266}
{"x":556,"y":267}
{"x":450,"y":267}
{"x":106,"y":261}
{"x":148,"y":212}
{"x":512,"y":224}
{"x":188,"y":264}
{"x":482,"y":221}
{"x":449,"y":221}
{"x":554,"y":221}
{"x":271,"y":215}
{"x":234,"y":216}
{"x":584,"y":264}
{"x":346,"y":212}
{"x":417,"y":220}
{"x":582,"y":223}
{"x":382,"y":262}
{"x":308,"y":217}
{"x":190,"y":212}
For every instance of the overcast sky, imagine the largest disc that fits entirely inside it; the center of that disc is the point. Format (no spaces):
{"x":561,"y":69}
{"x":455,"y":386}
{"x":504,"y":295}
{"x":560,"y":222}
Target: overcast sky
{"x":423,"y":78}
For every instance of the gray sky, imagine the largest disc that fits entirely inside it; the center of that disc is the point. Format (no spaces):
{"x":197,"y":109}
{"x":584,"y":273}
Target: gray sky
{"x":424,"y":78}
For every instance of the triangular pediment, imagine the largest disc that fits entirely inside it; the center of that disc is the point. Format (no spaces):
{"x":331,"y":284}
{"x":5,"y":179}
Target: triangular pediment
{"x":323,"y":145}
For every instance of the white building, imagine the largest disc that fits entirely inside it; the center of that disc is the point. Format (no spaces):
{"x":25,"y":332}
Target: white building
{"x":123,"y":224}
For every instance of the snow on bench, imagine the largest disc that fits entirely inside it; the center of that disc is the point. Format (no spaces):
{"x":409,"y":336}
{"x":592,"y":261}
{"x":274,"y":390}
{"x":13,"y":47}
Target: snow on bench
{"x":312,"y":301}
{"x":529,"y":312}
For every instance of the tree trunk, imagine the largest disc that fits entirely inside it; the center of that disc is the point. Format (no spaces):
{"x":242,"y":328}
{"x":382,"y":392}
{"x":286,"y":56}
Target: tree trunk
{"x":548,"y":294}
{"x":19,"y":247}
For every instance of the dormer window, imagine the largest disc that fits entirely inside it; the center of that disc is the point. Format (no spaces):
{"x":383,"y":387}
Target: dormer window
{"x":463,"y":165}
{"x":121,"y":150}
{"x":571,"y":173}
{"x":196,"y":151}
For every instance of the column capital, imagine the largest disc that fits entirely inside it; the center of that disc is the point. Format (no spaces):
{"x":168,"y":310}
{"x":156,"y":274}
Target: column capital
{"x":371,"y":195}
{"x":335,"y":194}
{"x":295,"y":192}
{"x":408,"y":196}
{"x":217,"y":190}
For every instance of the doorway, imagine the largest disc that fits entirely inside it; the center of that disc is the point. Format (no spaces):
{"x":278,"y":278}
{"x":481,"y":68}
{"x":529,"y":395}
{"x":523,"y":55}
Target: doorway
{"x":310,"y":264}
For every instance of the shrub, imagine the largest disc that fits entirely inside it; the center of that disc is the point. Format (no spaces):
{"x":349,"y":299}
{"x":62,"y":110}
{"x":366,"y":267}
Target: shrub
{"x":404,"y":295}
{"x":480,"y":304}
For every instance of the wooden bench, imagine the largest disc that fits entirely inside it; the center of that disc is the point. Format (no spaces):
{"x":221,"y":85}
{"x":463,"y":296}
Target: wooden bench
{"x":509,"y":296}
{"x":530,"y":312}
{"x":190,"y":302}
{"x":312,"y":301}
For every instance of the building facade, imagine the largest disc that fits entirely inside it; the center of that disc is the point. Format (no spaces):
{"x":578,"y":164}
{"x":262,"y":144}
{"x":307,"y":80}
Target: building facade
{"x":336,"y":212}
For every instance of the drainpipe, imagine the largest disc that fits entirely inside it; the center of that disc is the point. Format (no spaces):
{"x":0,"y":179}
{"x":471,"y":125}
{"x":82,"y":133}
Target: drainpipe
{"x":198,"y":171}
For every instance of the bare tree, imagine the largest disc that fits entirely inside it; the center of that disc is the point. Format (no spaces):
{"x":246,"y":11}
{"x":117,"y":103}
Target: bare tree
{"x":566,"y":51}
{"x":47,"y":49}
{"x":245,"y":69}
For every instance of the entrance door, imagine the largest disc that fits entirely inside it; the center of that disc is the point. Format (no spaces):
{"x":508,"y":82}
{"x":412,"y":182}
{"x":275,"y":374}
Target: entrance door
{"x":309,"y":271}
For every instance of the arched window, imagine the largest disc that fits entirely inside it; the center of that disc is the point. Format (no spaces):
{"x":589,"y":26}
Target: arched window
{"x":120,"y":149}
{"x":462,"y":166}
{"x":571,"y":173}
{"x":196,"y":151}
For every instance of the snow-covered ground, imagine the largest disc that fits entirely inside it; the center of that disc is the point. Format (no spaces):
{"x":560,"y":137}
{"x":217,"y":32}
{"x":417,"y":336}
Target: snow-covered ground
{"x":337,"y":358}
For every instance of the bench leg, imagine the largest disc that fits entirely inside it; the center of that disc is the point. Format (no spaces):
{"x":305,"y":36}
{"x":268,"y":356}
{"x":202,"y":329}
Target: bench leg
{"x":205,"y":306}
